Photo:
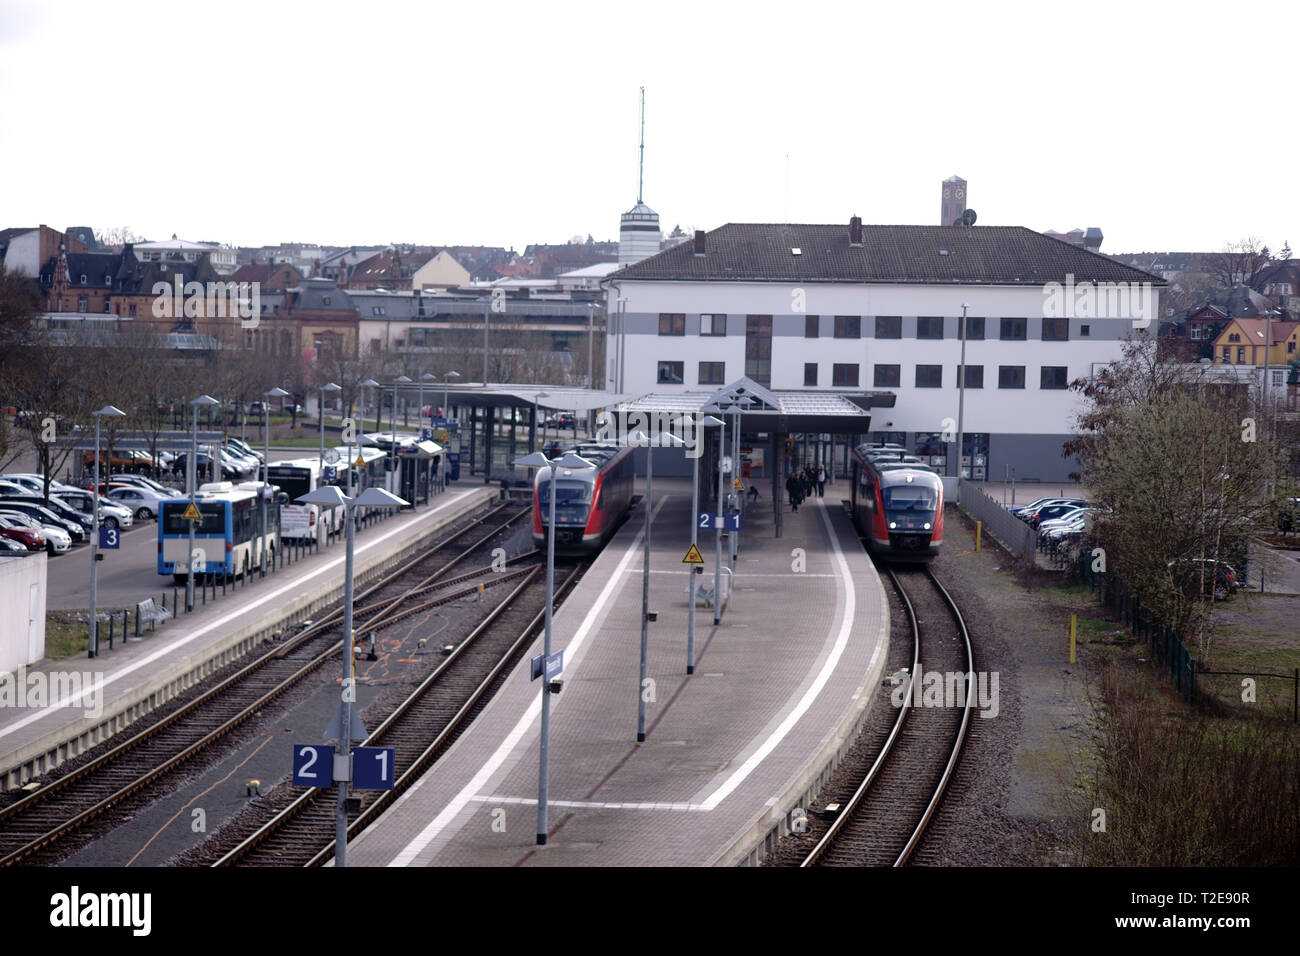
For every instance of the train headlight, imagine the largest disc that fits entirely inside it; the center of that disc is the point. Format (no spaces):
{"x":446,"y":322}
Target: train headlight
{"x":893,"y":525}
{"x":926,"y":526}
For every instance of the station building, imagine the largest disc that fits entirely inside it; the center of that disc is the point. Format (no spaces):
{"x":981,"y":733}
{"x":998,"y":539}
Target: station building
{"x":843,"y":308}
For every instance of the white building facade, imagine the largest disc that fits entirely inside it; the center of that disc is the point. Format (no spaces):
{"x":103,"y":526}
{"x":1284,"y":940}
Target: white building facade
{"x":812,"y":310}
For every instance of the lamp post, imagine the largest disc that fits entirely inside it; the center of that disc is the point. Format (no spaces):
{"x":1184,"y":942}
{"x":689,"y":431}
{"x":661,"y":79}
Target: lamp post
{"x":203,"y":401}
{"x":706,"y":422}
{"x":739,"y":404}
{"x":327,"y":387}
{"x":445,"y":376}
{"x":426,"y":377}
{"x":538,"y":460}
{"x":368,"y":383}
{"x":329,"y":496}
{"x":392,"y":421}
{"x":276,"y":392}
{"x":721,"y":408}
{"x":113,"y":412}
{"x":961,"y":397}
{"x":536,"y":399}
{"x":661,"y":440}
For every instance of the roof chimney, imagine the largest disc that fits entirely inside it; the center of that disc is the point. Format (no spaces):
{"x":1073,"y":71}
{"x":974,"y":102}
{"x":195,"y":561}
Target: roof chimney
{"x":855,"y":231}
{"x":699,"y":242}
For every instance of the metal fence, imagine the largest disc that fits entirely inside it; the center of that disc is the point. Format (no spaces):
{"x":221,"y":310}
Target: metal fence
{"x":1012,"y":533}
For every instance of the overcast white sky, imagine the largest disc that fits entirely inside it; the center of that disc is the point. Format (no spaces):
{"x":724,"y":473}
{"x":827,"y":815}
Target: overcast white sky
{"x":1170,"y":126}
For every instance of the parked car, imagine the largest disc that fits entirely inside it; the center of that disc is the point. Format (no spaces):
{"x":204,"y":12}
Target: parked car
{"x":31,"y":539}
{"x":44,"y":516}
{"x":138,"y":481}
{"x":1220,"y":578}
{"x":1031,"y":509}
{"x":111,"y":513}
{"x":244,"y":448}
{"x":54,"y":504}
{"x":13,"y":549}
{"x":57,"y":540}
{"x":143,"y":502}
{"x":1047,"y":512}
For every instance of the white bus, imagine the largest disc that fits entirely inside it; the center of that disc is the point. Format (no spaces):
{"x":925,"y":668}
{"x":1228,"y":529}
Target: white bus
{"x":299,"y":521}
{"x":228,"y":540}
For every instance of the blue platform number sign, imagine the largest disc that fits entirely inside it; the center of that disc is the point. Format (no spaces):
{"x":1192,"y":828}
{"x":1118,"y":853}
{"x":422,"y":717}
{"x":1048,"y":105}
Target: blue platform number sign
{"x":313,"y":765}
{"x":109,"y":538}
{"x":708,"y":522}
{"x":731,"y":523}
{"x":331,"y":473}
{"x":372,"y":768}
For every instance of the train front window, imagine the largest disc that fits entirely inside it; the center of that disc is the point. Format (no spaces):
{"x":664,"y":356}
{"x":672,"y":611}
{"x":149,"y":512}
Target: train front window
{"x":568,"y":494}
{"x":909,"y":498}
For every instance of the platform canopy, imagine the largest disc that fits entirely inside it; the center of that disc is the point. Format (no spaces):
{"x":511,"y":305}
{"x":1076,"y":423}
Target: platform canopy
{"x":837,"y":412}
{"x":563,"y":398}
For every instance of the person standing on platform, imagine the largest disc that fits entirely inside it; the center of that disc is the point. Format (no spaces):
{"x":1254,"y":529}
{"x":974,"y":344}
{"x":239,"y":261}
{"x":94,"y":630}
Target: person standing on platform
{"x":821,"y":482}
{"x":792,"y":488}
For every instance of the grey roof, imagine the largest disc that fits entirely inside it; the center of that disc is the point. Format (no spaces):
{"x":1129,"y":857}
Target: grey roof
{"x":1001,"y":255}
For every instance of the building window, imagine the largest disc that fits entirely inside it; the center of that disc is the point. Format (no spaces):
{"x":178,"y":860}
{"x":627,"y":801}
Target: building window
{"x":1084,"y":331}
{"x":887,"y":376}
{"x":671,"y":373}
{"x":974,"y":376}
{"x":712,"y":373}
{"x":974,"y":327}
{"x":889,"y":326}
{"x":107,"y":305}
{"x":1011,"y":376}
{"x":710,"y":324}
{"x":1241,"y":355}
{"x":929,"y":376}
{"x":758,"y":348}
{"x":82,"y":303}
{"x":1227,"y":354}
{"x":1056,"y":330}
{"x":1277,"y":377}
{"x":1013,"y":330}
{"x":811,"y":326}
{"x":1234,"y":337}
{"x":810,"y":373}
{"x":326,"y":300}
{"x":377,"y":310}
{"x":929,"y":326}
{"x":672,"y":323}
{"x":844,"y":376}
{"x":1053,"y":376}
{"x":83,"y":279}
{"x":848,"y":326}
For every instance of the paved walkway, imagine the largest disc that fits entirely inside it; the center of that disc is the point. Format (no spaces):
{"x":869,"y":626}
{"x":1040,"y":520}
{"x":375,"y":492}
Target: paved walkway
{"x":778,"y":687}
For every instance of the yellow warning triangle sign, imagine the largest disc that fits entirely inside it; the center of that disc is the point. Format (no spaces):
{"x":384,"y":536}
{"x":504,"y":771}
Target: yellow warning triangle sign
{"x":739,"y":486}
{"x":360,"y":462}
{"x":192,"y":513}
{"x":693,"y":556}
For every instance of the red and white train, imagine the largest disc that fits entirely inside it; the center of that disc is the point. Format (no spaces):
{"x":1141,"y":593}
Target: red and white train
{"x":897,"y":504}
{"x":589,"y":502}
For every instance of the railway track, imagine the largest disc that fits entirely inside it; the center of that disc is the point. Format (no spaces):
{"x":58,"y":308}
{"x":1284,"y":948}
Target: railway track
{"x":419,"y":729}
{"x":117,"y":779}
{"x":883,"y":821}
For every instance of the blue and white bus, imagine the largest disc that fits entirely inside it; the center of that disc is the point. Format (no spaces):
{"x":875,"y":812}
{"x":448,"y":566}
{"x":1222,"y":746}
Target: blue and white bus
{"x":300,"y":477}
{"x":228,"y":540}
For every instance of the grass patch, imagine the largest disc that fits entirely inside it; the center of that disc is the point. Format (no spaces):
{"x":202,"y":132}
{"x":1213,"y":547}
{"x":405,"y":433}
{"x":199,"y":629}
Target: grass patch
{"x":66,"y":633}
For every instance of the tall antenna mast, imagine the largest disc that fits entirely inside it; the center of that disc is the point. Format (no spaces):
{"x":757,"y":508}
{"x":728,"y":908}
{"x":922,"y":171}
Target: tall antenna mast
{"x":640,"y":173}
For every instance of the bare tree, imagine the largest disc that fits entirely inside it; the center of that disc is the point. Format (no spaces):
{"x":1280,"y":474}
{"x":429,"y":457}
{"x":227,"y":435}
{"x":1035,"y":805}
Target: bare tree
{"x":1240,"y":262}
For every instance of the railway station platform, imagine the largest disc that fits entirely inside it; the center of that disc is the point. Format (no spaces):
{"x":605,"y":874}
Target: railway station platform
{"x":85,"y":701}
{"x":779,"y":689}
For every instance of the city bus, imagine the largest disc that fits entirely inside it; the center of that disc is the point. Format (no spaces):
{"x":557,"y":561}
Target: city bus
{"x":228,"y":538}
{"x":296,"y":478}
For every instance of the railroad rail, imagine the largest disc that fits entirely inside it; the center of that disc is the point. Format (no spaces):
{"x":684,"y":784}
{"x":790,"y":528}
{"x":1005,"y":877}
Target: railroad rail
{"x":70,"y":802}
{"x":419,"y":729}
{"x":884,"y":820}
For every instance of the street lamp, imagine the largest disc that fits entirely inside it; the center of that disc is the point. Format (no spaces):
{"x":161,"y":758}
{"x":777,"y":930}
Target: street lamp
{"x":276,"y":392}
{"x":708,"y":421}
{"x":536,"y":399}
{"x":739,"y":404}
{"x":327,"y":387}
{"x":392,"y":419}
{"x":113,"y":412}
{"x":538,"y":460}
{"x":329,"y":496}
{"x":961,"y":397}
{"x":445,"y":376}
{"x":369,"y":383}
{"x":660,"y":440}
{"x":203,"y":401}
{"x":721,"y":408}
{"x":419,"y":416}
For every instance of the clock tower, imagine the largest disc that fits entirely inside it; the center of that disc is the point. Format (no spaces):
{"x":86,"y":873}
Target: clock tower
{"x":954,"y":200}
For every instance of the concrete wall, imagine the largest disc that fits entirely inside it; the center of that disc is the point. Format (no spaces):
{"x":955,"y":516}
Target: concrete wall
{"x":22,"y":622}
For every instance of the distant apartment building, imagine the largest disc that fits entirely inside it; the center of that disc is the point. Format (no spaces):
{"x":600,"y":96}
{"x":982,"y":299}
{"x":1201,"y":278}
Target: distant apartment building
{"x":223,"y":259}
